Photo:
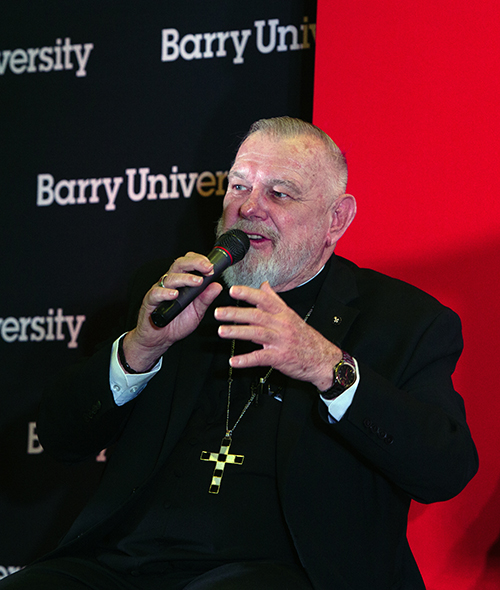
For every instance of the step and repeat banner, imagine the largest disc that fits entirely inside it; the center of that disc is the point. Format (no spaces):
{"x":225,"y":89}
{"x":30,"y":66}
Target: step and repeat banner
{"x":118,"y":124}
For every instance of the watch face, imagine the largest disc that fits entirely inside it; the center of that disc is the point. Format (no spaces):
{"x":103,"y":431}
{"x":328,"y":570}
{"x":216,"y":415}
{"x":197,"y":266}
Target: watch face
{"x":345,"y":375}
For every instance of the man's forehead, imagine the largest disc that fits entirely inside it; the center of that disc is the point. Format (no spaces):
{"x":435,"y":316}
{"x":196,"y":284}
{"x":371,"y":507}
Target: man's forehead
{"x":290,"y":155}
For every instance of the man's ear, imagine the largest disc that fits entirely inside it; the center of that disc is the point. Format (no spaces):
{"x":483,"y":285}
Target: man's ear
{"x":343,"y":212}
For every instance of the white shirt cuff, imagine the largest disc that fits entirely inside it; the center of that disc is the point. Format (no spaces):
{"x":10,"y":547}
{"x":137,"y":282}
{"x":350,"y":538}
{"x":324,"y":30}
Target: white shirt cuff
{"x":126,"y":386}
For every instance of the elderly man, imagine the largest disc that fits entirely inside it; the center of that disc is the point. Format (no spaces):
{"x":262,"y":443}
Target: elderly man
{"x":273,"y":435}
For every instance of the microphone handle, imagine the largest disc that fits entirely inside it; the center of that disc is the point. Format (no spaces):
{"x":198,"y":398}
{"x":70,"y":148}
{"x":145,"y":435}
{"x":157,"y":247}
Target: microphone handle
{"x":168,"y":310}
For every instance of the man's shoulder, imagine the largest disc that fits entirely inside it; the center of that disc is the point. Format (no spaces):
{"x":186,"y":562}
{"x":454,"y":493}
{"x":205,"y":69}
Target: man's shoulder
{"x":378,"y":290}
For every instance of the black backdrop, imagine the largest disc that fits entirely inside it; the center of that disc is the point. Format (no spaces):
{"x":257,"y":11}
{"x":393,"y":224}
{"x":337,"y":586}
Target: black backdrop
{"x":95,"y":99}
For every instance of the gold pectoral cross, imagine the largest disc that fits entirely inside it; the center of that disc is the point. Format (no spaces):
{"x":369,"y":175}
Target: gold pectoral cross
{"x":220,"y":458}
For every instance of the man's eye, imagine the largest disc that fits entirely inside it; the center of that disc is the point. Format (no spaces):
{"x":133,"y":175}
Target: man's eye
{"x":239,"y":187}
{"x":280,"y":195}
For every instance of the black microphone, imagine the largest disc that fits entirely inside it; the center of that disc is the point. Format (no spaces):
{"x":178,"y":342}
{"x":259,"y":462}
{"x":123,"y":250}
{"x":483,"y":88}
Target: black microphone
{"x":230,"y":248}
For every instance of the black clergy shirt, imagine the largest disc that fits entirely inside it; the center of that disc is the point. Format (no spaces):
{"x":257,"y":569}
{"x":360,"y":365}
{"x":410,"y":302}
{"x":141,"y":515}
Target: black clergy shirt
{"x":176,"y":520}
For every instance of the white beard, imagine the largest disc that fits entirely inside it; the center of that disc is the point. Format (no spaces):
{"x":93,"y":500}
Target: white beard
{"x":284,"y":263}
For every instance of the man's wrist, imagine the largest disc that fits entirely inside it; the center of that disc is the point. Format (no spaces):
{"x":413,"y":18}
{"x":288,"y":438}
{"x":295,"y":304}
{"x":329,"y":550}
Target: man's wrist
{"x":145,"y":368}
{"x":126,"y":386}
{"x":344,"y":375}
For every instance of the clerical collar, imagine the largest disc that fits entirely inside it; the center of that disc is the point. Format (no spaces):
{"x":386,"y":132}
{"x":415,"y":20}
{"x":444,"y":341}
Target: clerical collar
{"x":312,"y":278}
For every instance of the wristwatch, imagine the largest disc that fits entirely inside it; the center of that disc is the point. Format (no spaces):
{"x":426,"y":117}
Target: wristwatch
{"x":344,"y":375}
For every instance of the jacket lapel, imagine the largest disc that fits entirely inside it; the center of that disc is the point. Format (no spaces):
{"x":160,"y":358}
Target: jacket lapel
{"x":333,"y":315}
{"x":335,"y":311}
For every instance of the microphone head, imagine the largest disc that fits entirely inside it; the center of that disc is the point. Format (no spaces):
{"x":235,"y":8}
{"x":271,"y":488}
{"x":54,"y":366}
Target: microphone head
{"x":235,"y":242}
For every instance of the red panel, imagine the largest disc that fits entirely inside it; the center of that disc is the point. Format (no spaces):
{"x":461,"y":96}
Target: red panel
{"x":410,"y":91}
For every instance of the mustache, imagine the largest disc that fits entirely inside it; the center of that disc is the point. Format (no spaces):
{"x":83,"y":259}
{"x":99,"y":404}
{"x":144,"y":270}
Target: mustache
{"x":250,"y":227}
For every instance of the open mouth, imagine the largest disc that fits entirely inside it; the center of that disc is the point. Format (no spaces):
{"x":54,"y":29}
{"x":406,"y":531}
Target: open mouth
{"x":258,"y":239}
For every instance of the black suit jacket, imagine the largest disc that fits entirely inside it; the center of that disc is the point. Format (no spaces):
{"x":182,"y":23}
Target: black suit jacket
{"x":345,"y":488}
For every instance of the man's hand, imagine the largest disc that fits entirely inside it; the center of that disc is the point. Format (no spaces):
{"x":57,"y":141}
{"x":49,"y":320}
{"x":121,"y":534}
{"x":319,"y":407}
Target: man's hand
{"x":146,"y":343}
{"x":288,"y":343}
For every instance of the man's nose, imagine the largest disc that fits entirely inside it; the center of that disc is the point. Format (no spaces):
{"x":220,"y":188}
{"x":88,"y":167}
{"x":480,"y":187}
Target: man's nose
{"x":255,"y":206}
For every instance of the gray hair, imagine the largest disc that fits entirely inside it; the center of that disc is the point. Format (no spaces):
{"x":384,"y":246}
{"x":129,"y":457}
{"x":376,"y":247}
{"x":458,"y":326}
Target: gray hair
{"x":283,"y":127}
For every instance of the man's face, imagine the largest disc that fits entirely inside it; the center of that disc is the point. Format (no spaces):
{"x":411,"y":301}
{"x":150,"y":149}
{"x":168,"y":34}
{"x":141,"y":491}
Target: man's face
{"x":277,"y":195}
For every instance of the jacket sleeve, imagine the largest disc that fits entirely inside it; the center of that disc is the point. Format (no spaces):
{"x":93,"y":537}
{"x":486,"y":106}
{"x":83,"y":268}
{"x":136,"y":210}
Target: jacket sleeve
{"x":410,"y":423}
{"x":77,"y":415}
